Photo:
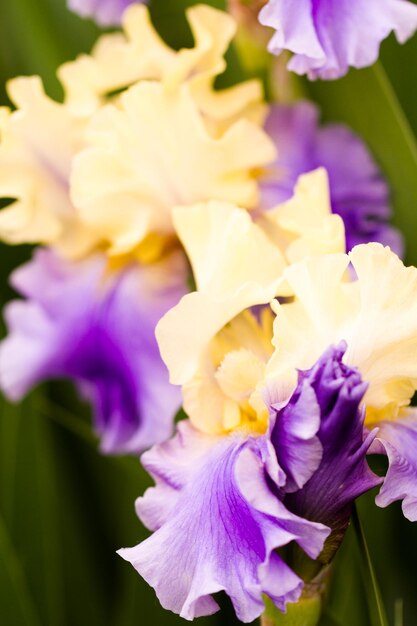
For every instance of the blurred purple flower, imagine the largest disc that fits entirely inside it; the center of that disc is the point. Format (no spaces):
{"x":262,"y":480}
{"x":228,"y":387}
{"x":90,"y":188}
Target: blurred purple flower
{"x":359,"y":193}
{"x":104,"y":12}
{"x":328,"y":36}
{"x":82,"y":322}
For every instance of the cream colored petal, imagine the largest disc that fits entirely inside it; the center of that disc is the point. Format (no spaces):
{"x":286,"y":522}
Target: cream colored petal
{"x":223,"y":394}
{"x":207,"y":407}
{"x":319,"y":316}
{"x":235,"y":266}
{"x":305,"y":224}
{"x":247,"y":330}
{"x":376,"y":315}
{"x":38,"y":141}
{"x":226,"y":248}
{"x":153,"y":153}
{"x":119,"y":60}
{"x":185,"y":332}
{"x":239,"y":374}
{"x":383,"y":341}
{"x":221,"y":108}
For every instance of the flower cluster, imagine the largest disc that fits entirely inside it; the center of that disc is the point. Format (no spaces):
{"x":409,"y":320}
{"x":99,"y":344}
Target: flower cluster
{"x":294,"y":357}
{"x":95,"y":179}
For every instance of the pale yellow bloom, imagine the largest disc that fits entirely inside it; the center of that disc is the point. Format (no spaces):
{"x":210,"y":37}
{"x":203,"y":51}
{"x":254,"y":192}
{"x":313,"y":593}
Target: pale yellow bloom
{"x":151,"y":152}
{"x":213,"y":346}
{"x":37,"y":144}
{"x":235,"y":267}
{"x":168,"y":139}
{"x":376,"y":315}
{"x":121,"y":59}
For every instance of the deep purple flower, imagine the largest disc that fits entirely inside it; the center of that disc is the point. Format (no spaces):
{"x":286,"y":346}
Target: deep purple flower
{"x":217,"y":525}
{"x":398,"y":440}
{"x":96,"y":327}
{"x":343,"y":473}
{"x":104,"y":12}
{"x":328,"y":36}
{"x":359,"y":194}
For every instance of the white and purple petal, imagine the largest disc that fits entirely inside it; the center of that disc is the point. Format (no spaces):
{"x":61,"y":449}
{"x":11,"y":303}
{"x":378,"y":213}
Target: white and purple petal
{"x":217,"y":524}
{"x":358,"y":191}
{"x":328,"y":36}
{"x":398,"y":439}
{"x":82,"y":322}
{"x":104,"y":12}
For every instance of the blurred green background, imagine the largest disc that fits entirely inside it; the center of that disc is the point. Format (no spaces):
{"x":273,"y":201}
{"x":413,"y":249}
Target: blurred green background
{"x":65,"y":509}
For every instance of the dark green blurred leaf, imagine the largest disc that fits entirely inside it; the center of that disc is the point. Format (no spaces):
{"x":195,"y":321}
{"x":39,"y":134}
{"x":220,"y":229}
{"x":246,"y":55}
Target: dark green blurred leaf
{"x":17,"y":606}
{"x":328,"y":620}
{"x":376,"y":607}
{"x":345,"y":601}
{"x":37,"y":36}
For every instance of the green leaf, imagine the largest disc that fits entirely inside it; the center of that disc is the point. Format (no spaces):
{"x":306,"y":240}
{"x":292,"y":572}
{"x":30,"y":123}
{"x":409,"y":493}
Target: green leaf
{"x":28,"y":505}
{"x":40,"y":36}
{"x":376,"y":607}
{"x":17,"y":605}
{"x":328,"y":620}
{"x":366,"y":102}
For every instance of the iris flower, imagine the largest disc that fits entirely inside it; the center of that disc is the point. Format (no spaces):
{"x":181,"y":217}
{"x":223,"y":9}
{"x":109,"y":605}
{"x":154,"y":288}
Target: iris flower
{"x":328,"y":36}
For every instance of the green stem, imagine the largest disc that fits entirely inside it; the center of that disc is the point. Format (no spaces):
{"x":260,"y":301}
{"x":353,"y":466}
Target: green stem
{"x":305,"y":612}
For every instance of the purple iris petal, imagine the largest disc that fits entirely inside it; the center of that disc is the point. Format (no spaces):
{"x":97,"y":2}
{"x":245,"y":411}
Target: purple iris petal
{"x":328,"y":36}
{"x":399,"y":441}
{"x":217,"y":524}
{"x":343,"y":473}
{"x":81,"y":322}
{"x":105,"y":12}
{"x":359,"y":194}
{"x":293,"y":434}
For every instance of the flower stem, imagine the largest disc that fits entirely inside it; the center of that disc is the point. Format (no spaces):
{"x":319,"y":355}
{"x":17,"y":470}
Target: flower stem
{"x":305,"y":612}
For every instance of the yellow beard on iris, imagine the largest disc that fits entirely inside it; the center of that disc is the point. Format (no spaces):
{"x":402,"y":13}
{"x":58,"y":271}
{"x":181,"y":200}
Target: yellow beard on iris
{"x":225,"y":394}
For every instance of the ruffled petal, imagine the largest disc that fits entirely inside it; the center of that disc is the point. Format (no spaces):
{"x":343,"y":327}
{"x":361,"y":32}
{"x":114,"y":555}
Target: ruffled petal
{"x":153,"y":152}
{"x":399,"y":441}
{"x":119,"y":60}
{"x":343,"y":473}
{"x":218,"y":527}
{"x":235,"y":266}
{"x":376,"y":315}
{"x":293,"y":429}
{"x":304,"y":225}
{"x":38,"y":142}
{"x":328,"y":36}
